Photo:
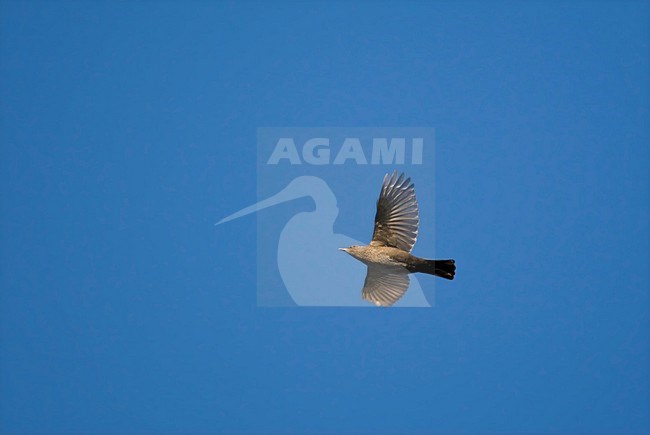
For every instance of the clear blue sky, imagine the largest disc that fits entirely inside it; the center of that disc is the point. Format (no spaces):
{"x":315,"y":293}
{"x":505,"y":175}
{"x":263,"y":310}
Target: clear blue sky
{"x":128,"y":129}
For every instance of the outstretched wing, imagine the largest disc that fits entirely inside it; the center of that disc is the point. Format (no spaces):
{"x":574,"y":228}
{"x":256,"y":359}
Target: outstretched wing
{"x":384,"y":285}
{"x":396,"y":221}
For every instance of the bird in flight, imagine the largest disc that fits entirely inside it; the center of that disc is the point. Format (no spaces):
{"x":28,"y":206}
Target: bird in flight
{"x":388,"y":256}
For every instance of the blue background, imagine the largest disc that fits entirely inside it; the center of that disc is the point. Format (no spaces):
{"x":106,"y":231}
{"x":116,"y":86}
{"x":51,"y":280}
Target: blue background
{"x":128,"y":129}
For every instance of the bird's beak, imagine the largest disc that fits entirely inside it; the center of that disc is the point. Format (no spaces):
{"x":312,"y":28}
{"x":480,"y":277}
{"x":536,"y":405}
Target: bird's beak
{"x":343,"y":249}
{"x":283,"y":196}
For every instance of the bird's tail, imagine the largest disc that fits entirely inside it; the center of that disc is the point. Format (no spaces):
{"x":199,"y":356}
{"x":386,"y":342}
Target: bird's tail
{"x":442,"y":268}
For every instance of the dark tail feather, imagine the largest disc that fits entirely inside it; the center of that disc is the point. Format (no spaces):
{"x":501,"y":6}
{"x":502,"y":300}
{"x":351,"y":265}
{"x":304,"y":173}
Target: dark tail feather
{"x":442,"y":268}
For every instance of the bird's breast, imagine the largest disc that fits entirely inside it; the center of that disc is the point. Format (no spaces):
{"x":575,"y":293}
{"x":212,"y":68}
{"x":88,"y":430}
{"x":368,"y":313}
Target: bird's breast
{"x":381,"y":255}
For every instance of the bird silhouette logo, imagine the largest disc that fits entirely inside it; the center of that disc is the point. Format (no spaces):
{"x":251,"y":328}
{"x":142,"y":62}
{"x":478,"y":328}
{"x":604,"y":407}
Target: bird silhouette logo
{"x":313,"y":272}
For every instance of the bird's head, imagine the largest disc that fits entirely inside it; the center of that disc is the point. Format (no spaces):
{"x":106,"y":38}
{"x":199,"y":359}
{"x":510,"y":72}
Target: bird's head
{"x":358,"y":252}
{"x":350,"y":249}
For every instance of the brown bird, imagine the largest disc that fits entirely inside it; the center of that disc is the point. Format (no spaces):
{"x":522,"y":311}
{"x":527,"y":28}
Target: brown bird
{"x":388,"y":256}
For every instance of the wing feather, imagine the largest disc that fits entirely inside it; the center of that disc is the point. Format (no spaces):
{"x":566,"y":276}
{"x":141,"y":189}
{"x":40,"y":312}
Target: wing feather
{"x":384,"y":285}
{"x":396,"y":220}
